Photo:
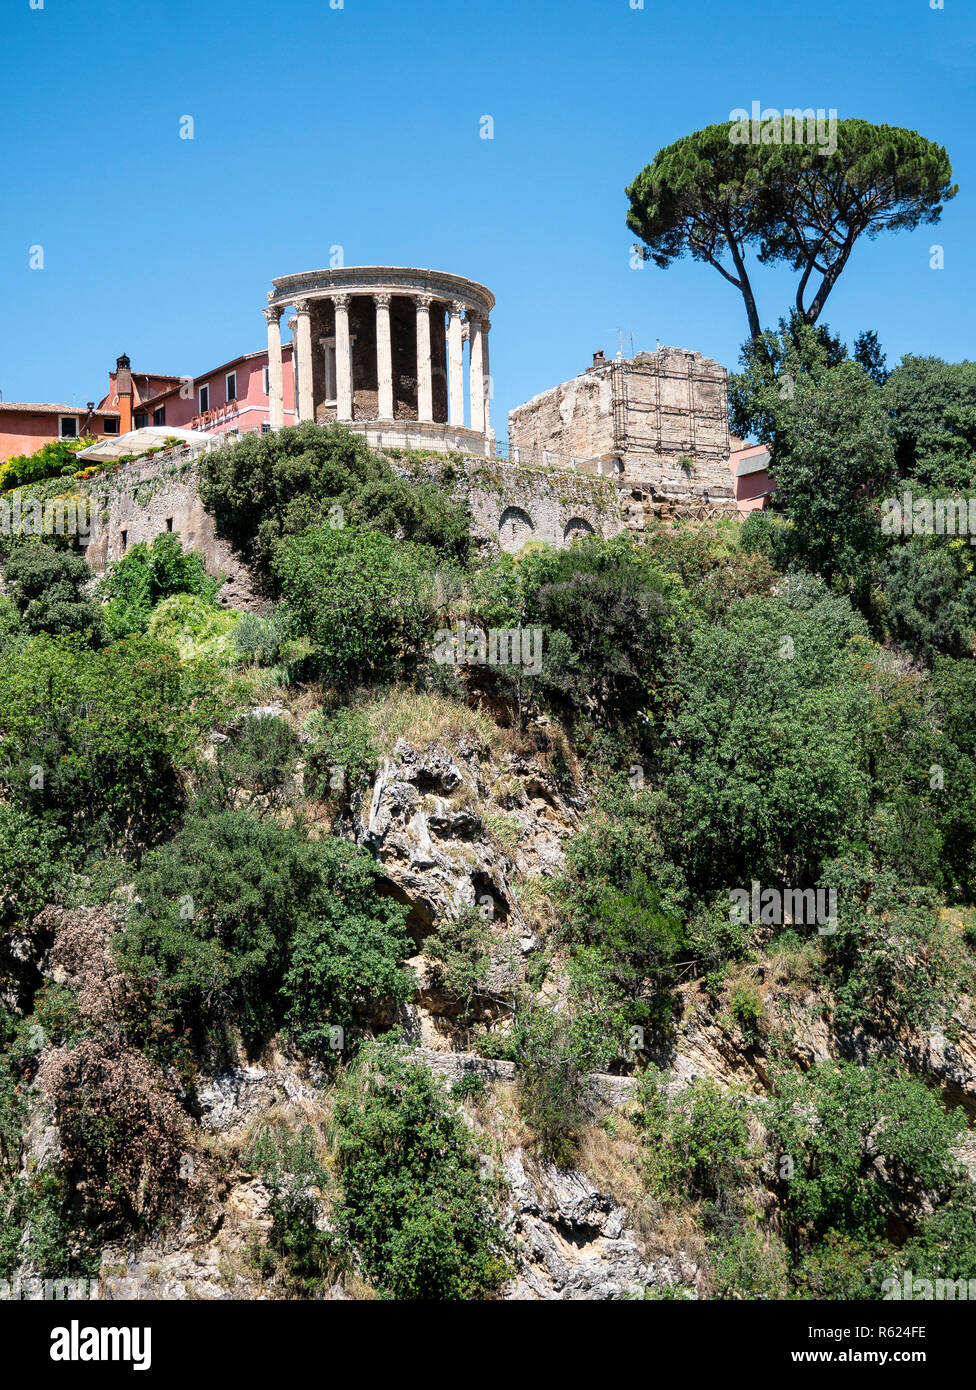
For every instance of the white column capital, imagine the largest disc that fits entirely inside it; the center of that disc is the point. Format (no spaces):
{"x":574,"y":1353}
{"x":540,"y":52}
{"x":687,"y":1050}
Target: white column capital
{"x":303,"y":306}
{"x":382,"y":300}
{"x":341,"y":301}
{"x":273,"y":313}
{"x":424,"y":301}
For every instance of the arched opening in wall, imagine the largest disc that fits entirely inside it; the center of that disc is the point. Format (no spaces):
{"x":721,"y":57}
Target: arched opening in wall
{"x":515,"y":527}
{"x":577,"y":526}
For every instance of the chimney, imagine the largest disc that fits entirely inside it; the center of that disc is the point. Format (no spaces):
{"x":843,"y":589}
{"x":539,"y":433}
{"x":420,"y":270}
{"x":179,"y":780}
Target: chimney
{"x":123,"y":389}
{"x":599,"y":360}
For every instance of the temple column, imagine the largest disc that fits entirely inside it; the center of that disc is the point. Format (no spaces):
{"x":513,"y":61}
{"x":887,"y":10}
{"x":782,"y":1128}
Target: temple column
{"x":455,"y":359}
{"x":384,"y":358}
{"x":344,"y":396}
{"x":276,"y":388}
{"x":303,"y":349}
{"x":425,"y":386}
{"x":476,"y":373}
{"x":485,"y":375}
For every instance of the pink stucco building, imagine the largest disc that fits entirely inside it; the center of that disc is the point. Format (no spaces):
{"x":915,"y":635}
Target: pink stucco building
{"x":751,"y":481}
{"x":231,"y":399}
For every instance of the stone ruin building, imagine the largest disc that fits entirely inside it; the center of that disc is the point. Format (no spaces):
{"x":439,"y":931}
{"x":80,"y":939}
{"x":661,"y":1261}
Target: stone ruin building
{"x":658,"y":423}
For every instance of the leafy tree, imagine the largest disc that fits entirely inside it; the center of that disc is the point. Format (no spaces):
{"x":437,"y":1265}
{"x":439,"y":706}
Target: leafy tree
{"x":866,"y":1143}
{"x":714,"y":567}
{"x":833,"y":613}
{"x":98,"y":742}
{"x":245,"y":920}
{"x":347,"y":956}
{"x":47,"y":587}
{"x":944,"y":1245}
{"x":928,"y":596}
{"x":148,"y":574}
{"x":716,"y":193}
{"x":832,"y":452}
{"x":953,"y":690}
{"x":765,"y":768}
{"x":34,"y":864}
{"x":281,"y":484}
{"x":696,"y":1145}
{"x":413,"y":1203}
{"x":893,"y":957}
{"x":933,"y":405}
{"x":255,"y":767}
{"x":364,"y":600}
{"x":867,"y":353}
{"x":625,"y":950}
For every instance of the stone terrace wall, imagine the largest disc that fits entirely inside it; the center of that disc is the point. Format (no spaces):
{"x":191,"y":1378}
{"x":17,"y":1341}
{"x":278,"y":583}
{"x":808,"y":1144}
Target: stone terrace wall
{"x":152,"y":496}
{"x":510,"y":505}
{"x":514,"y":503}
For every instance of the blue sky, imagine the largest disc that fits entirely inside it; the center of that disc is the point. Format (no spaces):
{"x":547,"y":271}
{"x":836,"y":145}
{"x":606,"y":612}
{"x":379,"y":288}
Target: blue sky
{"x":359,"y":127}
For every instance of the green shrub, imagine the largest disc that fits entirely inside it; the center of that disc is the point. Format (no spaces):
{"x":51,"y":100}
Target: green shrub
{"x":195,"y":628}
{"x":260,"y":639}
{"x":98,"y":742}
{"x":414,"y":1205}
{"x":289,"y":1168}
{"x":364,"y":600}
{"x":862,"y":1143}
{"x":268,"y":487}
{"x":148,"y":574}
{"x":460,"y":948}
{"x":245,"y":921}
{"x":254,"y":768}
{"x":343,"y":755}
{"x":46,"y":585}
{"x":695,"y":1144}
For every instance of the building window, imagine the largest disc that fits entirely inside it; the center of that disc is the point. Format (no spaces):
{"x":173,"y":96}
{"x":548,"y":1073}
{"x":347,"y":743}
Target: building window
{"x":69,"y":427}
{"x":265,"y":427}
{"x":110,"y":426}
{"x":159,"y":415}
{"x":266,"y":380}
{"x":231,"y":387}
{"x":169,"y":523}
{"x":140,"y":419}
{"x":204,"y":398}
{"x":125,"y":539}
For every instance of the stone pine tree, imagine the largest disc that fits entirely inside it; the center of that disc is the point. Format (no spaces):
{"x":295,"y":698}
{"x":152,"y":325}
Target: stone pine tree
{"x":737,"y":186}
